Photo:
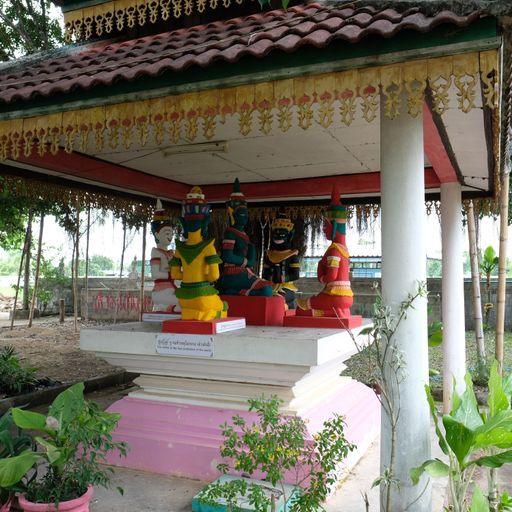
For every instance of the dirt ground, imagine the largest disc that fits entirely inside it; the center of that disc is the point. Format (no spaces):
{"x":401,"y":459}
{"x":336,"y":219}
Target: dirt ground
{"x":53,"y":349}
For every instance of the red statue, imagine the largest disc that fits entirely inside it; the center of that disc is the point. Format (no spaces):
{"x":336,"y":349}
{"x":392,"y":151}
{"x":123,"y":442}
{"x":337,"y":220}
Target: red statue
{"x":333,"y":269}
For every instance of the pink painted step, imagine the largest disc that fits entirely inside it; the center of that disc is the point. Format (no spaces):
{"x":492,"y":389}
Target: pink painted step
{"x":183,"y":440}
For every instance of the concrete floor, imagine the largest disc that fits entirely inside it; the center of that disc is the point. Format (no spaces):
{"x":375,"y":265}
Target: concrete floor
{"x":157,"y":493}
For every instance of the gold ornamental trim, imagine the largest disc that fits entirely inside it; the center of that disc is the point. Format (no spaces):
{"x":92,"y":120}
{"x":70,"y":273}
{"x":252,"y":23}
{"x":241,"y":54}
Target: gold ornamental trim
{"x":327,"y":99}
{"x":83,"y":24}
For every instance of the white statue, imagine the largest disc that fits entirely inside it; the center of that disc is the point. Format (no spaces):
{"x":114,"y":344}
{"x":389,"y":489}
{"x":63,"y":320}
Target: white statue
{"x":164,"y":290}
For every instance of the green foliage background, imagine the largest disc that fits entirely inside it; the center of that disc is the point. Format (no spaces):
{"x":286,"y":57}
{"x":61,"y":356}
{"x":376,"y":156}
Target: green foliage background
{"x":27,"y":28}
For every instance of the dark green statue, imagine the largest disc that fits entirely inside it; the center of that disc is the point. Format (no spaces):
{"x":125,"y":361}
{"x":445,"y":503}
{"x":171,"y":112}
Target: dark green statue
{"x":238,"y":253}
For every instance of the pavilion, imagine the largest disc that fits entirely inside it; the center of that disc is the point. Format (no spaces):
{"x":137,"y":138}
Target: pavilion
{"x":397,"y":105}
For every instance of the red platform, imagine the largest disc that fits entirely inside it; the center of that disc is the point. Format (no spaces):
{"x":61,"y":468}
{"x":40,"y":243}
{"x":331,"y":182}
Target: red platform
{"x":257,"y":310}
{"x":323,"y":322}
{"x":203,"y":327}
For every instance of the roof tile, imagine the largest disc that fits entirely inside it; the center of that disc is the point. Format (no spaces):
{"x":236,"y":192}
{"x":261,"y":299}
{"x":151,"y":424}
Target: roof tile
{"x":106,"y":62}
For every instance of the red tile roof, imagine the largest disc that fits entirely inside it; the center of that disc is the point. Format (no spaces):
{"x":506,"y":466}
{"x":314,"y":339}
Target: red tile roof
{"x":105,"y":62}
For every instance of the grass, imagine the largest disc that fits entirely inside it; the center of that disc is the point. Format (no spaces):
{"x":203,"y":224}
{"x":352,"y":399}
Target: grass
{"x":358,"y":369}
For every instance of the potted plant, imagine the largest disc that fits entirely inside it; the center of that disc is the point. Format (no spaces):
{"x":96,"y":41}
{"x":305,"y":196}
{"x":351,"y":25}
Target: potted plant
{"x":16,"y":459}
{"x":276,"y":447}
{"x":73,"y":440}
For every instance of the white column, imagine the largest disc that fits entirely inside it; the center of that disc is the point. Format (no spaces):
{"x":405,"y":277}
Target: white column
{"x":454,"y":341}
{"x":403,"y":266}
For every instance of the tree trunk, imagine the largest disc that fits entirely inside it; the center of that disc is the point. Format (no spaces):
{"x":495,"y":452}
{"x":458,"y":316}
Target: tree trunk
{"x":86,"y":305}
{"x":38,"y":267}
{"x":116,"y":310}
{"x":502,"y":269}
{"x":475,"y":280}
{"x":142,"y":273}
{"x":76,"y":267}
{"x":20,"y":270}
{"x":26,"y":277}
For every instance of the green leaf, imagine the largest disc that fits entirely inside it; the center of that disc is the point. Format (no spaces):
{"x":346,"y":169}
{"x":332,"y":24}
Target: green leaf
{"x":53,"y":453}
{"x":434,"y":467}
{"x":13,"y":469}
{"x":433,"y":411}
{"x":6,"y":421}
{"x":494,"y":461}
{"x":459,"y":437}
{"x":479,"y":503}
{"x":497,"y":399}
{"x":498,"y":437}
{"x":507,"y":386}
{"x":28,"y":419}
{"x":465,"y":410}
{"x":435,"y":339}
{"x":496,"y":431}
{"x":68,"y":404}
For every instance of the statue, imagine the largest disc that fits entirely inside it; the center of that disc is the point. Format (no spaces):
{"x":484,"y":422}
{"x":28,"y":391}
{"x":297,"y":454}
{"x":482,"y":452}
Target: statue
{"x":281,"y":265}
{"x":333,"y":269}
{"x":239,"y":254}
{"x":196,"y":263}
{"x":163,"y":294}
{"x":133,"y":269}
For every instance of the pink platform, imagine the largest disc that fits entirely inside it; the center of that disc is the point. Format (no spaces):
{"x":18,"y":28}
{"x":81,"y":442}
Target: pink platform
{"x":183,"y":440}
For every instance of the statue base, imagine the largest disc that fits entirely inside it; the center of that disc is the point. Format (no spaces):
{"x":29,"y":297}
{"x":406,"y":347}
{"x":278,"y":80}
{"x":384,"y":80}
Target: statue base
{"x":323,"y":322}
{"x":171,"y":420}
{"x":257,"y":310}
{"x":203,"y":327}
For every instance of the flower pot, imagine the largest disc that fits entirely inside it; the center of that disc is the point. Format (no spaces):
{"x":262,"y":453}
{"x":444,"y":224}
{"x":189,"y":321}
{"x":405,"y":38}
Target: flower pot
{"x":80,"y":504}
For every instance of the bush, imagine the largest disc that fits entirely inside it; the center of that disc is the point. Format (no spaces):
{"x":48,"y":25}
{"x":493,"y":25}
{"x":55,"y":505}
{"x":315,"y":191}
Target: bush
{"x":14,"y":378}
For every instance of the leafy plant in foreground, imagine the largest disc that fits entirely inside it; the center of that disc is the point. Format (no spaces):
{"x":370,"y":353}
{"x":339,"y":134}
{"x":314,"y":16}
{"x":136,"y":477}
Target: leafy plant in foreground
{"x":74,"y":439}
{"x":275,"y":445}
{"x":473,"y":437}
{"x":16,"y":458}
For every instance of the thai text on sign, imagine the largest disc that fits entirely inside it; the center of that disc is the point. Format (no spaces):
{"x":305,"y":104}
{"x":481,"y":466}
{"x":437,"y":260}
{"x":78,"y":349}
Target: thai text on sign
{"x":186,"y":345}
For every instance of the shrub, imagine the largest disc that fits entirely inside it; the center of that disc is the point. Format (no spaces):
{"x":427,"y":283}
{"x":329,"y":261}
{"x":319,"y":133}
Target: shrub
{"x":14,"y":378}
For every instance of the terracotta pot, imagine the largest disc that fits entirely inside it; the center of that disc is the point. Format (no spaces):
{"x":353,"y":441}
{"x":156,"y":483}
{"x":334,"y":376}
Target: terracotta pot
{"x":80,"y":504}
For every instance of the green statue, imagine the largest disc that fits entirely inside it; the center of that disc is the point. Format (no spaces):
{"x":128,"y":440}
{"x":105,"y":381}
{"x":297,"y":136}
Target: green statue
{"x":239,"y":254}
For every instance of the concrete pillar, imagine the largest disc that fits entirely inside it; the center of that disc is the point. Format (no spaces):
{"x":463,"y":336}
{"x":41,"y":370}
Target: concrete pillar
{"x":454,"y":341}
{"x":403,"y":265}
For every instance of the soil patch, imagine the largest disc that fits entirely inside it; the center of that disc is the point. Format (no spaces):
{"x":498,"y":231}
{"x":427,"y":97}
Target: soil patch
{"x":53,"y":349}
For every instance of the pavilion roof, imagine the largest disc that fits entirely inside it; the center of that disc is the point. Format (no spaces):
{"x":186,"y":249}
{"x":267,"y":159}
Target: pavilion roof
{"x":107,"y":62}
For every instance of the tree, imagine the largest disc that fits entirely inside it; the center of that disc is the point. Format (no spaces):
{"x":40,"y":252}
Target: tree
{"x":13,"y":219}
{"x":27,"y":28}
{"x":489,"y":266}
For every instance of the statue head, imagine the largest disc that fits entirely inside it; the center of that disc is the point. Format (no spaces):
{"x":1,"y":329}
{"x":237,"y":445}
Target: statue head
{"x":161,"y":226}
{"x":237,"y":207}
{"x":282,"y":231}
{"x":195,"y":213}
{"x":335,"y":217}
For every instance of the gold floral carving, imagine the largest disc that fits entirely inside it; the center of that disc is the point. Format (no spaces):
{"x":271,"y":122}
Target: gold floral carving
{"x":488,"y":75}
{"x":391,"y":84}
{"x":88,"y":23}
{"x":465,"y":70}
{"x":325,"y":100}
